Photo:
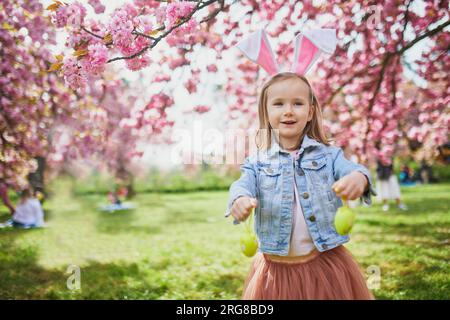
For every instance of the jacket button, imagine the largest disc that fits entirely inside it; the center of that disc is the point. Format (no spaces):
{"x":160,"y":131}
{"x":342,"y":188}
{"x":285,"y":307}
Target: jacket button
{"x":312,"y":218}
{"x":314,"y":163}
{"x":324,"y":246}
{"x":305,"y":195}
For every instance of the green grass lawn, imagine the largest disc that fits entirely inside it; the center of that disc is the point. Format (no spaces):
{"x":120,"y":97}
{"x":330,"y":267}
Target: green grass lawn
{"x":179,"y":246}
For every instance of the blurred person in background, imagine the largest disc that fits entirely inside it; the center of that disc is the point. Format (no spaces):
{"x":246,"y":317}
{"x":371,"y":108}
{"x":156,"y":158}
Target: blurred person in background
{"x":28,"y":213}
{"x":388,"y":187}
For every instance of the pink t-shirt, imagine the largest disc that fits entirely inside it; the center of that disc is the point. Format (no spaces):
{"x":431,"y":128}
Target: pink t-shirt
{"x":301,"y":242}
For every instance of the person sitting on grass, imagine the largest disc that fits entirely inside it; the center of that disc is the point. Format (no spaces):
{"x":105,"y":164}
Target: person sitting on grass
{"x":114,"y":198}
{"x":406,"y":176}
{"x":28,"y":213}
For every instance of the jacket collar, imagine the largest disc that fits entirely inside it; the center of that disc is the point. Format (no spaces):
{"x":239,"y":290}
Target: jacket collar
{"x":306,"y":143}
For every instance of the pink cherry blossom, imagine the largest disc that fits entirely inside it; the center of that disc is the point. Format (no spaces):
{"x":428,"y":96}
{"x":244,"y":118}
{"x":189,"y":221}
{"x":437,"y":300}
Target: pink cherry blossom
{"x":74,"y":74}
{"x":211,"y":68}
{"x":178,"y":10}
{"x":96,"y":59}
{"x":120,"y":28}
{"x":71,"y":15}
{"x":201,"y":108}
{"x":138,"y":63}
{"x":97,"y":5}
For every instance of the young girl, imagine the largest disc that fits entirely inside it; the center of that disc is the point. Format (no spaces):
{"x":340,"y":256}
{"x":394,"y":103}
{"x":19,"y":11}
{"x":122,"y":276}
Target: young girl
{"x":295,"y":183}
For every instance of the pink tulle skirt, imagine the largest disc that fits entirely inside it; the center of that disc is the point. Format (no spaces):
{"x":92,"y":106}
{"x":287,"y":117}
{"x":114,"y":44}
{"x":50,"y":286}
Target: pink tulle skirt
{"x":333,"y":274}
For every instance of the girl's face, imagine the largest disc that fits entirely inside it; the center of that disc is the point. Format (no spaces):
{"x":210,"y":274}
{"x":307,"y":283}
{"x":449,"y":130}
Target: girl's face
{"x":289,"y":109}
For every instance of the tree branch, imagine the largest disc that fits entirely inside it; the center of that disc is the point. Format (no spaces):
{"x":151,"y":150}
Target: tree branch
{"x":215,"y":13}
{"x":91,"y":33}
{"x":372,"y":101}
{"x":427,"y":34}
{"x":399,"y":52}
{"x":200,"y":5}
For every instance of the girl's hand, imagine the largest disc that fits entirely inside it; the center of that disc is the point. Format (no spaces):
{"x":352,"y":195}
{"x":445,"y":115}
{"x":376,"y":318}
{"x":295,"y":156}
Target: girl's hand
{"x":351,"y":187}
{"x":242,"y":207}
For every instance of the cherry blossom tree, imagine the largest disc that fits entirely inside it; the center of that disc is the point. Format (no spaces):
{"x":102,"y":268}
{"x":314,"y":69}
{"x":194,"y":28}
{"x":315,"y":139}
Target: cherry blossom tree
{"x":41,"y":120}
{"x":361,"y":85}
{"x":30,"y":97}
{"x":374,"y":101}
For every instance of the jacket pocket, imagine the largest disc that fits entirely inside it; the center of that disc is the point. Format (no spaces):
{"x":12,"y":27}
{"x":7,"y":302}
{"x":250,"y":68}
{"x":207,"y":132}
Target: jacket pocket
{"x":268,"y":177}
{"x":317,"y":171}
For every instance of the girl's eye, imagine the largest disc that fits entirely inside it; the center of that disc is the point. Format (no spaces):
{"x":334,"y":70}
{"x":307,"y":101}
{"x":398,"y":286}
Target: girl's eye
{"x":279,"y":104}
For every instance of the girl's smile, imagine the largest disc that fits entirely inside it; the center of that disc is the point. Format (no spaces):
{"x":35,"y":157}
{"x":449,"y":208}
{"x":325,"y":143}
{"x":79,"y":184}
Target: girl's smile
{"x":289,"y":122}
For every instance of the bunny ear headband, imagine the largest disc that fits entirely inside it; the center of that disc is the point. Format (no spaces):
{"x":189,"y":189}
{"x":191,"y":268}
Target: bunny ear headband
{"x":309,"y":45}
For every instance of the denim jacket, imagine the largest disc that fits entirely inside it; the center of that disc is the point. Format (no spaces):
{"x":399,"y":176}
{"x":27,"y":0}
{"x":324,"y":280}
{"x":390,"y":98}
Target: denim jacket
{"x":268,"y":176}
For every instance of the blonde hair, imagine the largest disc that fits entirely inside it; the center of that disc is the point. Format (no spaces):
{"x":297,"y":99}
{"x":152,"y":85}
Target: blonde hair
{"x":313,"y":128}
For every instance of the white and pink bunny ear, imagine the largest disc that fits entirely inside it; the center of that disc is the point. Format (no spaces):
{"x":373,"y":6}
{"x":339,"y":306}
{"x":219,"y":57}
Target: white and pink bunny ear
{"x":257,"y":48}
{"x":310,"y":45}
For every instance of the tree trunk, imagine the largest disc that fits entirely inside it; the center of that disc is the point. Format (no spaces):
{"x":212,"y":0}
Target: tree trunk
{"x":36,"y":179}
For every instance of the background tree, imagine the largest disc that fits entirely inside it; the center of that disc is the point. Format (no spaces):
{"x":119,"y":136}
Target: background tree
{"x":362,"y":83}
